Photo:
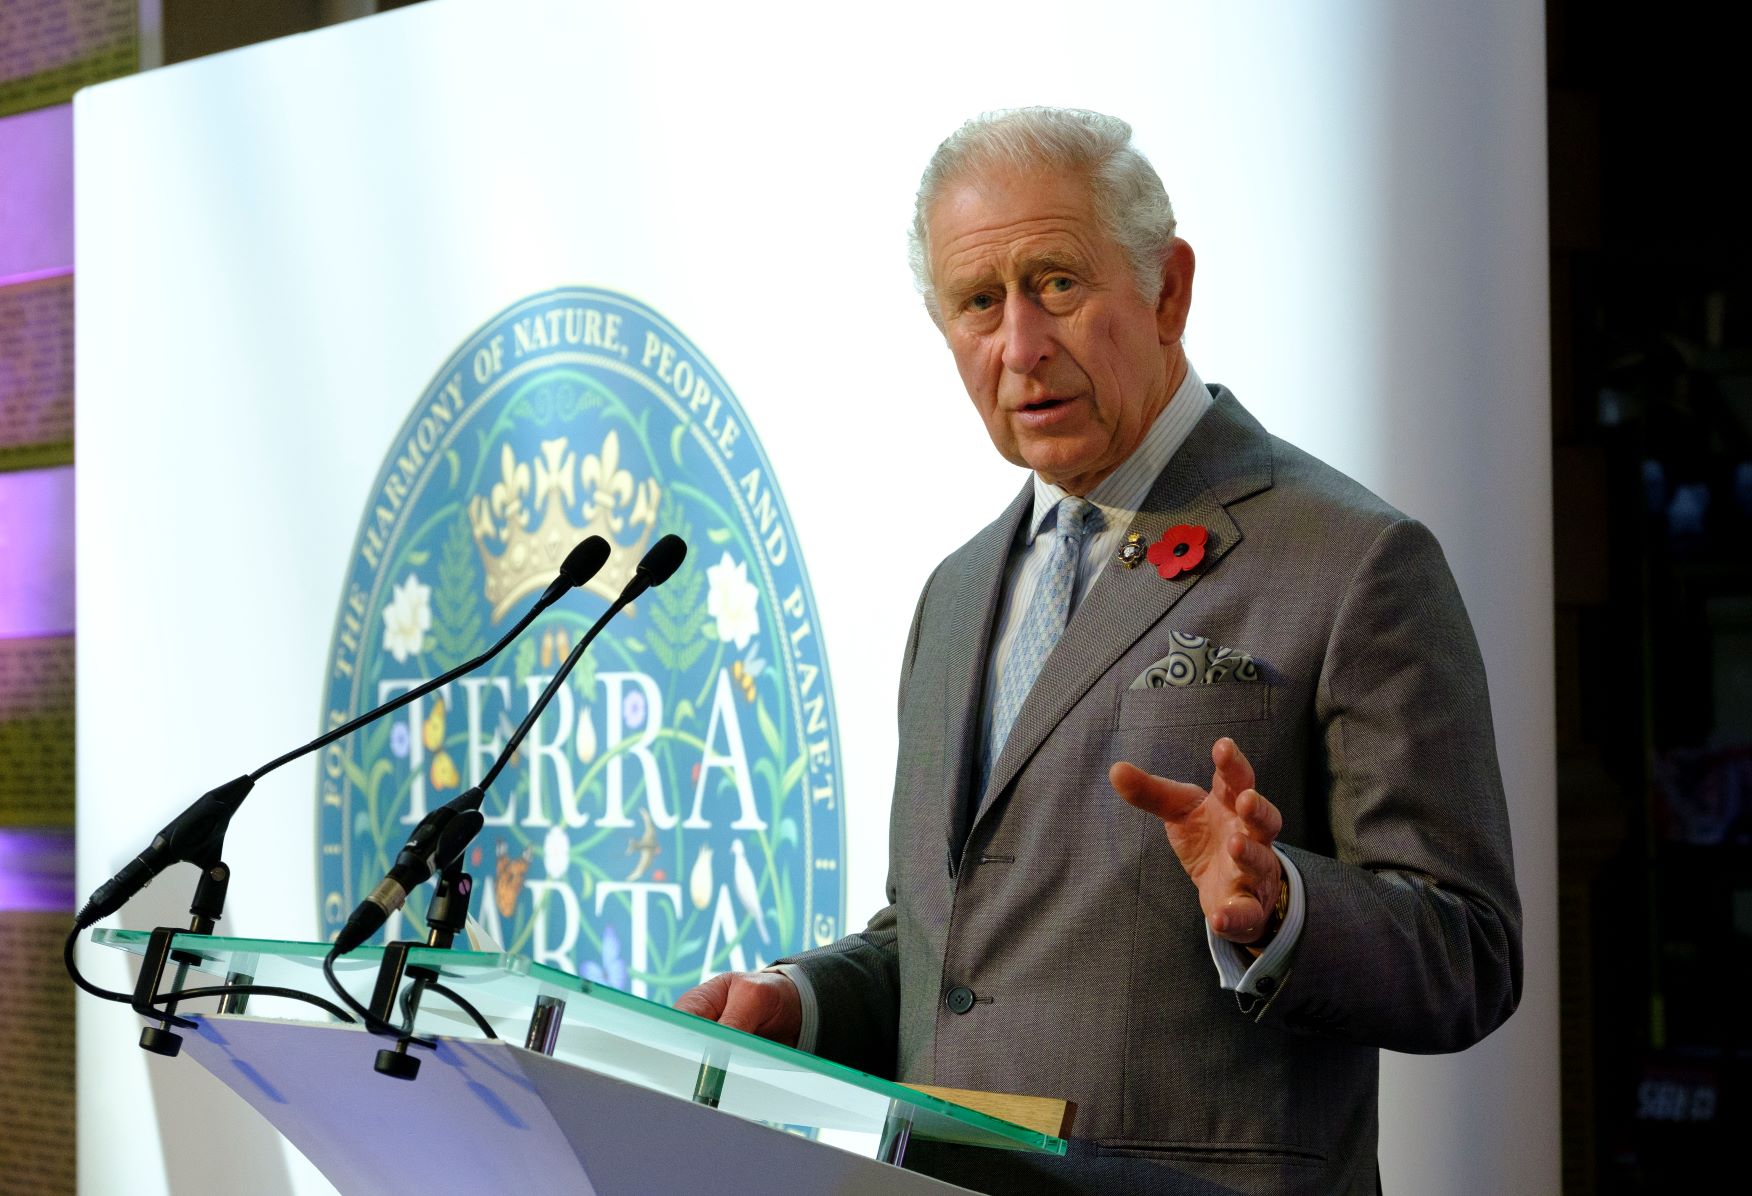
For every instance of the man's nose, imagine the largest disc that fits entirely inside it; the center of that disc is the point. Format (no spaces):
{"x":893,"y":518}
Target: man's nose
{"x":1028,"y":335}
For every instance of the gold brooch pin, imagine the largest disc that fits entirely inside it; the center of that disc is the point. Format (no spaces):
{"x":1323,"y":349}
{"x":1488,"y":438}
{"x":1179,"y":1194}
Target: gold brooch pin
{"x":1132,"y":551}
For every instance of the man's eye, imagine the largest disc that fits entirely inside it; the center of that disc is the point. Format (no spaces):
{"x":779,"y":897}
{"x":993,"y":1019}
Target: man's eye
{"x":981,"y":302}
{"x":1058,"y":285}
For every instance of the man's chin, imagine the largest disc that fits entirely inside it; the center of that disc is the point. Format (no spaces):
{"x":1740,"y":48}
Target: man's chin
{"x":1075,"y":475}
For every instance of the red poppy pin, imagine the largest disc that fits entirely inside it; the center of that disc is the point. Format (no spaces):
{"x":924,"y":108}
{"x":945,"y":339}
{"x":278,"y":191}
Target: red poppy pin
{"x":1180,"y":550}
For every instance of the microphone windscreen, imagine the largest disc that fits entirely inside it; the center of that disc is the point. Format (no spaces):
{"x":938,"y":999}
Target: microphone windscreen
{"x":662,"y":561}
{"x":582,"y":563}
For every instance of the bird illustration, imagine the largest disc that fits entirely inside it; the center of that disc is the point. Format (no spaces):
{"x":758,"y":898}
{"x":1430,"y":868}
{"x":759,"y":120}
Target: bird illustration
{"x":747,"y":891}
{"x":699,"y":883}
{"x":646,"y":845}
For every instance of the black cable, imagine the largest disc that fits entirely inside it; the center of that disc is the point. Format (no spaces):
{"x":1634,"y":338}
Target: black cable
{"x":456,"y":1000}
{"x":422,"y":985}
{"x":266,"y":990}
{"x":372,"y":1022}
{"x":79,"y":978}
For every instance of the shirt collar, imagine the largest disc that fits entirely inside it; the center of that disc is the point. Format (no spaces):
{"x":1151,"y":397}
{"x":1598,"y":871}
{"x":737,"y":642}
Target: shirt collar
{"x":1121,"y":494}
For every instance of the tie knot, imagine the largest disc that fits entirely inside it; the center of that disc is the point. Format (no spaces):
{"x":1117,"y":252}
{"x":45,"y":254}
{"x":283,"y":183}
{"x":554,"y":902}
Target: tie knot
{"x":1077,"y":517}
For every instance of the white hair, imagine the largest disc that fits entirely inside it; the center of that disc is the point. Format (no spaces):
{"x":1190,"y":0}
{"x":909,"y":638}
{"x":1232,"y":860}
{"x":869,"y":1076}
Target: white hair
{"x":1128,"y":195}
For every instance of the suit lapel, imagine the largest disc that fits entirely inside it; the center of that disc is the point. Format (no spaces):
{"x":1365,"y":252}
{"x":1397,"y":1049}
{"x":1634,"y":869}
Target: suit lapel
{"x":978,"y":591}
{"x":1226,"y":458}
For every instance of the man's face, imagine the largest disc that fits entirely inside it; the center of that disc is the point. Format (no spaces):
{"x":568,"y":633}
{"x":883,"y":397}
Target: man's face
{"x":1065,"y":363}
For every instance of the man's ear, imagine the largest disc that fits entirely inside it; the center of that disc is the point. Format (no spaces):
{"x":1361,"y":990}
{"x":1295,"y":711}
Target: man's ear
{"x":1175,"y":302}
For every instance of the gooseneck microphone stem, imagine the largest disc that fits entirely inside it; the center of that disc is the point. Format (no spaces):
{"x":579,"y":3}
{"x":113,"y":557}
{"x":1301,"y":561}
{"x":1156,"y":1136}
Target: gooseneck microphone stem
{"x":434,"y":836}
{"x":197,"y":835}
{"x":659,"y":564}
{"x":438,"y":845}
{"x":523,"y":728}
{"x":549,"y":596}
{"x":445,"y":832}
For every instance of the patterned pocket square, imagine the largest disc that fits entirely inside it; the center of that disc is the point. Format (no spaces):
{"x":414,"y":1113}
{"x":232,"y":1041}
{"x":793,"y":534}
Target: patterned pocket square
{"x":1197,"y":661}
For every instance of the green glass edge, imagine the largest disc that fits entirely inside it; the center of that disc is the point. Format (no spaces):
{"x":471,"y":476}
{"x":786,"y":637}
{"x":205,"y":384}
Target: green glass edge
{"x":516,"y":965}
{"x":687,"y":1022}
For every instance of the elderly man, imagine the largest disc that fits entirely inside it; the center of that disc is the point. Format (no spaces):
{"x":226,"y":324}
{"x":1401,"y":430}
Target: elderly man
{"x":1173,"y":591}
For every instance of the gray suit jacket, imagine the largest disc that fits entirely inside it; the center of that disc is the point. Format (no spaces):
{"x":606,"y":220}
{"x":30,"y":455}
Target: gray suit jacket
{"x":1065,"y":911}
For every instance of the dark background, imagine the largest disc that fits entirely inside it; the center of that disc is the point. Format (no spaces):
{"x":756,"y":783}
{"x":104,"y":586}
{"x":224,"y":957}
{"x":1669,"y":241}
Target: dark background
{"x":1651,"y":407}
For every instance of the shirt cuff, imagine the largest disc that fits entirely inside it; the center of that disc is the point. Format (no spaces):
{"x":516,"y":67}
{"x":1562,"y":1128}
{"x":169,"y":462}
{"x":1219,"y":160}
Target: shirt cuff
{"x":805,"y":992}
{"x":1237,"y":968}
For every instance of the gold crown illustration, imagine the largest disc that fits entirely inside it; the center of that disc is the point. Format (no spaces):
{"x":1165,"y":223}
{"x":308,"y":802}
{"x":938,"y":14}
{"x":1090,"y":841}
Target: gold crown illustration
{"x":538,"y":510}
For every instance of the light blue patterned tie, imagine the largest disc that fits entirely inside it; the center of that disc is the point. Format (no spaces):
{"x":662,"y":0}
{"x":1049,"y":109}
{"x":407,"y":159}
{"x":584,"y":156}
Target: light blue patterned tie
{"x":1044,"y":622}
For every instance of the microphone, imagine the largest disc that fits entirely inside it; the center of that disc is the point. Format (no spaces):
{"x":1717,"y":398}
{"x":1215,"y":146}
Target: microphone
{"x":427,"y":850}
{"x":585,"y":560}
{"x":420,"y":855}
{"x":197,"y":835}
{"x":581,"y":564}
{"x":658,"y":566}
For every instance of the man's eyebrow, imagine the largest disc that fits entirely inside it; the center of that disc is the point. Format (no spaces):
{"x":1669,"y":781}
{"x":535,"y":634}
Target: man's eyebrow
{"x":1051,"y":263}
{"x":953,"y":290}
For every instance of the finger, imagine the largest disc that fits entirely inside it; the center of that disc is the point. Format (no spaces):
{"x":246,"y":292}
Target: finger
{"x":748,"y":1006}
{"x":1262,"y":819}
{"x":765,"y":1003}
{"x":1166,"y":799}
{"x":1240,"y":919}
{"x":745,"y":1007}
{"x":1234,"y":773}
{"x":1257,"y":862}
{"x":706,"y":1000}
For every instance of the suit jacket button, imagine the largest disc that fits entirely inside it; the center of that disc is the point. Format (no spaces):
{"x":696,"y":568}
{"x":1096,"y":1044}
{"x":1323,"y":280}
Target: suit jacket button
{"x":959,"y":999}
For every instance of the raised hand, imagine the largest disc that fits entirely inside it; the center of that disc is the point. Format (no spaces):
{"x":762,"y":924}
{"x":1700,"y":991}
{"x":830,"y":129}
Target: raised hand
{"x":1222,"y":837}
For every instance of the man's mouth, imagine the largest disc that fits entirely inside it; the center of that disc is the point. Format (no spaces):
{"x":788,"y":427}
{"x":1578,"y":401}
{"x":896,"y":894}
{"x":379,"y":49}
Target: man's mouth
{"x":1044,"y":404}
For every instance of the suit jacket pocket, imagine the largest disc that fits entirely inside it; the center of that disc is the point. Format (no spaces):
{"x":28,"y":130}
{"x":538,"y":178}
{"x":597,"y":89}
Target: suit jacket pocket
{"x":1245,"y":1154}
{"x":1223,"y":703}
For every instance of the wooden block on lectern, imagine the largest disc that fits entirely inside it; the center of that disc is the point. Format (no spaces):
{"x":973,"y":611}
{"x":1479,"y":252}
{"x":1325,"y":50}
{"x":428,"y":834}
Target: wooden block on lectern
{"x":1042,"y":1114}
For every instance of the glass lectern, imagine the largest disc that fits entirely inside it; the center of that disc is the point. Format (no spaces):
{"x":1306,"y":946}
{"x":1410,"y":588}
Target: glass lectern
{"x":585,"y":1085}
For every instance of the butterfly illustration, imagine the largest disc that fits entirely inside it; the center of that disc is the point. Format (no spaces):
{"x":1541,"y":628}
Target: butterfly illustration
{"x":509,"y":872}
{"x":432,"y":733}
{"x":443,"y":772}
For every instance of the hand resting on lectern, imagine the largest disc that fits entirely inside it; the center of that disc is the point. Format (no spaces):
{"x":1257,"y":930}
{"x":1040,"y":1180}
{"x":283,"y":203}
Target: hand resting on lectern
{"x":763,"y":1003}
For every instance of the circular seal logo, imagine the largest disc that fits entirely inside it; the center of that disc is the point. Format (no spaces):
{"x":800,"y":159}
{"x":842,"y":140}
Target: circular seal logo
{"x":676,"y":810}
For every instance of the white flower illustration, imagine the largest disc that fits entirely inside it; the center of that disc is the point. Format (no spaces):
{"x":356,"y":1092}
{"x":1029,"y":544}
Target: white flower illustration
{"x":407,"y":618}
{"x":556,"y":852}
{"x":733,"y":601}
